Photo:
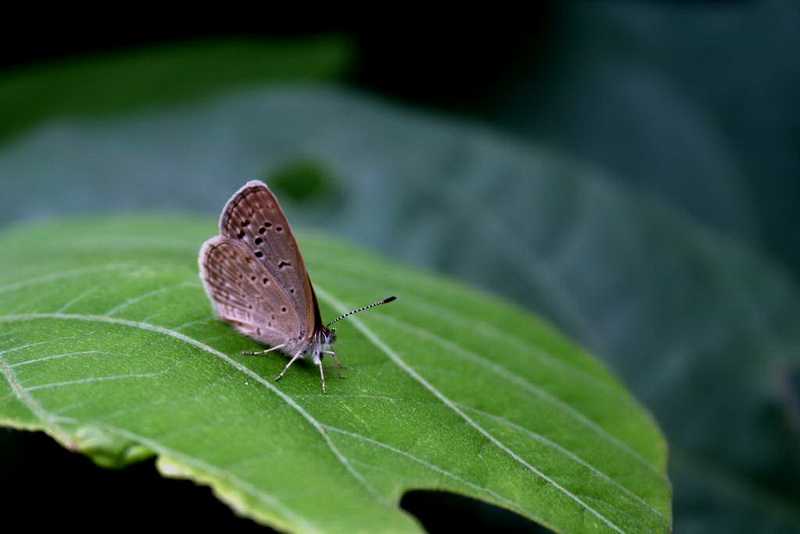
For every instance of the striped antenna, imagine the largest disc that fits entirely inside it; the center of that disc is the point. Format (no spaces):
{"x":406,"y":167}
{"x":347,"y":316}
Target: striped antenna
{"x":384,"y":301}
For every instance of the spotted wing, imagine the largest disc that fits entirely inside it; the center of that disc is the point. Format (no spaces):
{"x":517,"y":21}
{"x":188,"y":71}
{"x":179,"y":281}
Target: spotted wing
{"x":254,"y":217}
{"x":246,"y":294}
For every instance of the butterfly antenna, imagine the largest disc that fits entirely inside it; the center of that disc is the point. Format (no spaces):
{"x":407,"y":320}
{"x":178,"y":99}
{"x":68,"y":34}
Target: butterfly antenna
{"x":348,"y":314}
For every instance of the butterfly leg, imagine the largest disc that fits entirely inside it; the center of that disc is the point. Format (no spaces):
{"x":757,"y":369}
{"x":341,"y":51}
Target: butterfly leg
{"x":288,"y":365}
{"x":322,"y":376}
{"x":262,"y":351}
{"x":336,"y":362}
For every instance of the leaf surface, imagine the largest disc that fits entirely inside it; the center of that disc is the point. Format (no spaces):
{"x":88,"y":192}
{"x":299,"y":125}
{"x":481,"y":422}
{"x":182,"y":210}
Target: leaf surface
{"x":107,"y":343}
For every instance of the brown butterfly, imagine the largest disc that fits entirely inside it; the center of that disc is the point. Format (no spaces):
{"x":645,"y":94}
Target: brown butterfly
{"x":255,"y":277}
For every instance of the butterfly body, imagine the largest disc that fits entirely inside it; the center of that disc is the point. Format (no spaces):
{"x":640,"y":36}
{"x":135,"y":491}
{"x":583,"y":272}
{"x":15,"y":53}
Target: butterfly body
{"x":256,"y":279}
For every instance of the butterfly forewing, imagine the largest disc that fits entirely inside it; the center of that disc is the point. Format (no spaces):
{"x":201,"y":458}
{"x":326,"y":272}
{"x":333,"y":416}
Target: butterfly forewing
{"x":246,"y":294}
{"x":254,"y":218}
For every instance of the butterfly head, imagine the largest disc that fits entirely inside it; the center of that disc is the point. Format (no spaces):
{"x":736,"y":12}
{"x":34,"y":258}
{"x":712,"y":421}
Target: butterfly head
{"x":321,"y":343}
{"x":324,"y":338}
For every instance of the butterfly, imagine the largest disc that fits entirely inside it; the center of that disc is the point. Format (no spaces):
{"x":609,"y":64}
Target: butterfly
{"x":256,"y":279}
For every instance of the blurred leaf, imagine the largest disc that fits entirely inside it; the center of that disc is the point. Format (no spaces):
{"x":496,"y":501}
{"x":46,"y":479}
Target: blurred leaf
{"x":107,"y":342}
{"x":304,"y":180}
{"x":161,"y":75}
{"x":695,"y":103}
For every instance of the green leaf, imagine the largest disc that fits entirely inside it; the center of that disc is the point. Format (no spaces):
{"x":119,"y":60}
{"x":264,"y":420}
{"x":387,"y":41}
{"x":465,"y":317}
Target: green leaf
{"x":162,"y":75}
{"x":107,"y":342}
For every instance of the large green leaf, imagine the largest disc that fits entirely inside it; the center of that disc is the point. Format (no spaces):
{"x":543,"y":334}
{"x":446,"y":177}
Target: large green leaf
{"x":107,"y":342}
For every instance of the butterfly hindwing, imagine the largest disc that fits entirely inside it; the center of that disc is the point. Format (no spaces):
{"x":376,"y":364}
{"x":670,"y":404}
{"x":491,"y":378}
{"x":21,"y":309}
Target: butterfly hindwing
{"x":246,"y":294}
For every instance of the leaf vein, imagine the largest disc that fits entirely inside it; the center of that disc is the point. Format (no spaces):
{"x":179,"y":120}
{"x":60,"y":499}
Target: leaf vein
{"x":134,"y":300}
{"x":28,"y":400}
{"x":92,"y":379}
{"x":64,"y":274}
{"x":77,"y":299}
{"x":57,"y":356}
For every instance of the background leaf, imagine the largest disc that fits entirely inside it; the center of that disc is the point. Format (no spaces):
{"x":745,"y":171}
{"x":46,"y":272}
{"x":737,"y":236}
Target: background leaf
{"x":162,"y":75}
{"x":642,"y":90}
{"x":109,"y":345}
